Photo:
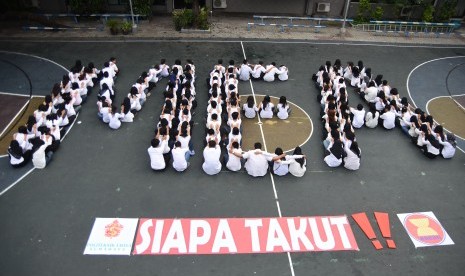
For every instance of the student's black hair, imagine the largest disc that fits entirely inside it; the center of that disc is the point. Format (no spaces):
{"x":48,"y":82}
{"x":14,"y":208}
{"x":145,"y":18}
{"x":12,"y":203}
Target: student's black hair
{"x":22,"y":129}
{"x":112,"y":59}
{"x":210,"y":131}
{"x":105,"y":74}
{"x":273,"y":63}
{"x":298,"y":151}
{"x":177,"y":62}
{"x":220,"y":61}
{"x":127,"y":105}
{"x":106,"y":64}
{"x":385,"y":82}
{"x":378,"y":79}
{"x":337,"y":63}
{"x":279,"y":151}
{"x":15,"y":149}
{"x":266,"y":101}
{"x":235,"y":131}
{"x":235,"y":115}
{"x":56,"y":89}
{"x":65,"y":80}
{"x":440,"y":130}
{"x":244,"y":61}
{"x":257,"y":145}
{"x":360,"y":64}
{"x":231,"y":62}
{"x":356,"y":72}
{"x":74,"y":85}
{"x":283,"y":101}
{"x":214,"y":116}
{"x":335,"y":134}
{"x":260,"y":62}
{"x":113,"y":109}
{"x":328,"y":64}
{"x":368,"y":72}
{"x":355,"y":149}
{"x":211,"y":143}
{"x":360,"y":107}
{"x":155,"y":142}
{"x":235,"y":145}
{"x":451,"y":139}
{"x":250,"y":101}
{"x":230,"y":71}
{"x":177,"y":144}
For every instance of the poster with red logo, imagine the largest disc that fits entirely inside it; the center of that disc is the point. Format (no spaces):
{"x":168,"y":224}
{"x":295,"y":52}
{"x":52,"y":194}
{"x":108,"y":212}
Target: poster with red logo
{"x":111,"y":236}
{"x":243,"y":235}
{"x":424,"y":229}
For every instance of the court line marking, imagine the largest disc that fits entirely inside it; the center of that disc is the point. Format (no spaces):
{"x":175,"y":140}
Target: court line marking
{"x":427,"y":110}
{"x":418,"y":66}
{"x":17,"y":181}
{"x":14,"y":118}
{"x":291,"y":266}
{"x":20,"y":95}
{"x":308,"y":117}
{"x":337,"y":43}
{"x":69,"y":129}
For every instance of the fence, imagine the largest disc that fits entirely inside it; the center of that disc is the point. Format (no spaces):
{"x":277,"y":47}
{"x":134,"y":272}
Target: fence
{"x":407,"y":29}
{"x":283,"y":22}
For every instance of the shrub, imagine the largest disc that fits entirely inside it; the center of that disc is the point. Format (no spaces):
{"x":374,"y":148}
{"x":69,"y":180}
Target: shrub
{"x":364,"y":10}
{"x":183,"y":18}
{"x":428,"y":14}
{"x":202,"y":20}
{"x":114,"y":25}
{"x":126,"y":27}
{"x":377,"y":14}
{"x":142,"y":7}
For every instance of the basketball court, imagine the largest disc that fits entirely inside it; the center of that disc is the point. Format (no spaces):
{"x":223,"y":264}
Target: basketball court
{"x":49,"y":214}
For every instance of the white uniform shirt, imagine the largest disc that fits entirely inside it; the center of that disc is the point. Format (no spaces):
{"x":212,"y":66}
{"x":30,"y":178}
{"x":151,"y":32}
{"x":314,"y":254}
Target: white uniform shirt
{"x":115,"y":122}
{"x":296,"y":170}
{"x":249,"y":112}
{"x":359,"y":117}
{"x":211,"y":164}
{"x":283,"y":112}
{"x":370,"y":120}
{"x":257,"y":162}
{"x":284,"y":73}
{"x":370,"y":94}
{"x":258,"y":70}
{"x":389,"y":120}
{"x":234,"y":162}
{"x":179,"y":159}
{"x":244,"y":72}
{"x":266,"y":113}
{"x":351,"y":161}
{"x":157,"y":162}
{"x":448,"y":151}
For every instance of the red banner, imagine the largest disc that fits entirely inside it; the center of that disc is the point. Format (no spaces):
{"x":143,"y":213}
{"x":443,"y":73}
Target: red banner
{"x":243,"y":235}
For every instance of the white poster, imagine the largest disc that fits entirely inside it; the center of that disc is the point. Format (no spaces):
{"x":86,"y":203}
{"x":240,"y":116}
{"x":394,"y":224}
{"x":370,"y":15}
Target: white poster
{"x":111,"y":236}
{"x":424,"y":229}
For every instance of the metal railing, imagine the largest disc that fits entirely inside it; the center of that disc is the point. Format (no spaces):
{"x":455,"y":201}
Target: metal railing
{"x":408,"y":28}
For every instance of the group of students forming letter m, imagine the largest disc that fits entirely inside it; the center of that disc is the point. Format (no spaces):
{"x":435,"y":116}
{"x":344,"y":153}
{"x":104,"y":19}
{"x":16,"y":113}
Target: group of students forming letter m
{"x":223,"y":137}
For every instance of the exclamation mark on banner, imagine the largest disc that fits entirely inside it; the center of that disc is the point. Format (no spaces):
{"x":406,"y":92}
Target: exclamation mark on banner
{"x":362,"y":220}
{"x":383,"y":224}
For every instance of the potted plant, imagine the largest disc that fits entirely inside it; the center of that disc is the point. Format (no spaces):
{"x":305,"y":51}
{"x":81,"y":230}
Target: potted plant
{"x":126,"y":27}
{"x":113,"y":24}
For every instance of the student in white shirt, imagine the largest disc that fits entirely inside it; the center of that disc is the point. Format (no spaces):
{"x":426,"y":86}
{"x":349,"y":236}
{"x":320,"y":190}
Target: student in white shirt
{"x":41,"y":158}
{"x":284,"y":75}
{"x":271,"y":72}
{"x":359,"y":116}
{"x":180,"y":157}
{"x":281,"y":162}
{"x":449,"y":145}
{"x":298,"y":166}
{"x":211,"y":156}
{"x":389,"y":118}
{"x":115,"y":118}
{"x":249,"y":109}
{"x":266,"y":108}
{"x":18,"y":158}
{"x":113,"y":66}
{"x":233,"y":158}
{"x":257,"y":161}
{"x":335,"y":149}
{"x":352,"y":158}
{"x":157,"y":153}
{"x":371,"y":118}
{"x":432,"y":145}
{"x":245,"y":71}
{"x":282,"y":108}
{"x":164,"y":69}
{"x":258,"y":71}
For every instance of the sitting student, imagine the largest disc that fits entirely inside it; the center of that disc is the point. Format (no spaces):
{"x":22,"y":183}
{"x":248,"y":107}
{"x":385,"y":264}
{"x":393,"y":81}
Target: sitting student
{"x":298,"y":166}
{"x":266,"y":108}
{"x":180,"y":157}
{"x":257,"y":161}
{"x":17,"y":158}
{"x":334,"y":150}
{"x":388,"y":118}
{"x":41,"y":157}
{"x":284,"y":76}
{"x":245,"y":71}
{"x":359,"y":116}
{"x":271,"y":72}
{"x":352,"y":159}
{"x":249,"y":109}
{"x":282,"y":108}
{"x":282,"y":161}
{"x":211,"y":155}
{"x":449,"y":145}
{"x":233,"y":158}
{"x":371,"y":118}
{"x":127,"y":111}
{"x":258,"y":71}
{"x":115,"y":118}
{"x":157,"y":153}
{"x":431,"y":148}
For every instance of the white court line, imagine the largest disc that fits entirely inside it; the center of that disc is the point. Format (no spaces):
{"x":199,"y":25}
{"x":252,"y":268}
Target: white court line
{"x":2,"y":156}
{"x":21,"y":95}
{"x":291,"y":266}
{"x":17,"y":181}
{"x":59,"y":65}
{"x":418,"y":66}
{"x":14,"y":118}
{"x":340,"y":43}
{"x":308,"y":116}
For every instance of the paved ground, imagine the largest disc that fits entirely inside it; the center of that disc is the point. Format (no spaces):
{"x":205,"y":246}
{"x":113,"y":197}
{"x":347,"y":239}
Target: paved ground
{"x":102,"y":173}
